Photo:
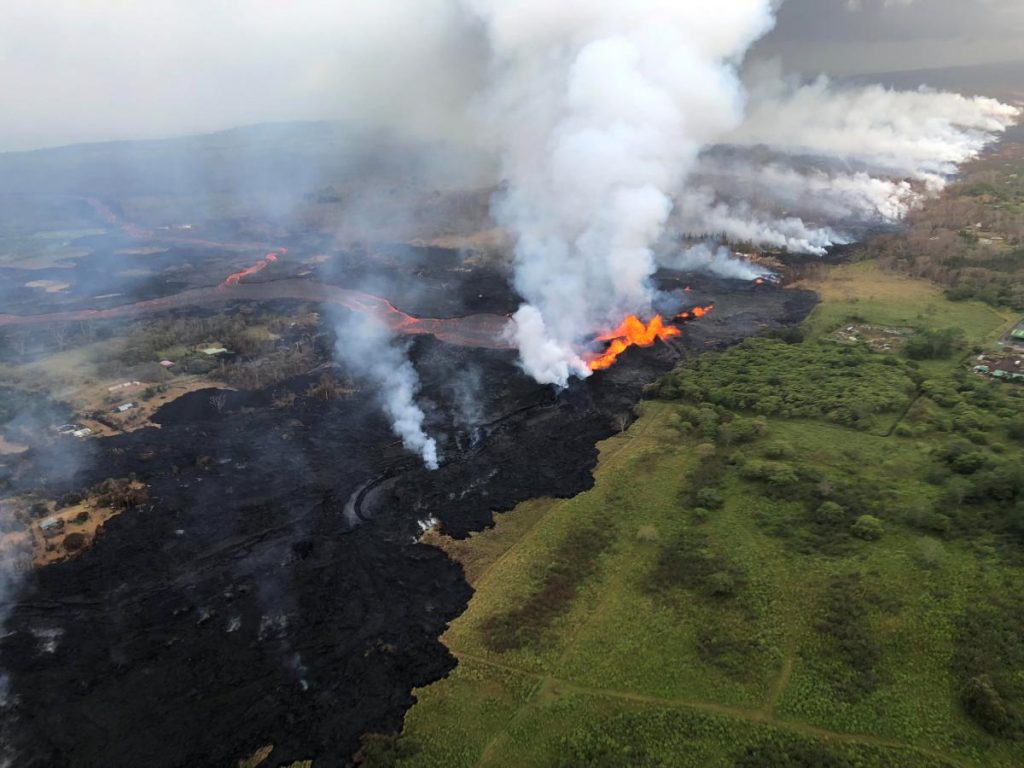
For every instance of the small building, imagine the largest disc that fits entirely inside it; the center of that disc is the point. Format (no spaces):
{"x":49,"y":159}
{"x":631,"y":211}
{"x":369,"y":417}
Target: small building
{"x":83,"y":432}
{"x":214,"y":351}
{"x":68,"y":429}
{"x":52,"y":526}
{"x":123,"y":408}
{"x":166,"y":363}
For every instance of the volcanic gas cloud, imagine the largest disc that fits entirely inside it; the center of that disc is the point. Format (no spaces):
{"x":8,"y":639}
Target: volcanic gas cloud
{"x":617,"y":120}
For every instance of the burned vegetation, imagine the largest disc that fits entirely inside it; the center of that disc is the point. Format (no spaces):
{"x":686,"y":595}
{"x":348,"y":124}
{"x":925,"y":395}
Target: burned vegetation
{"x":260,"y":556}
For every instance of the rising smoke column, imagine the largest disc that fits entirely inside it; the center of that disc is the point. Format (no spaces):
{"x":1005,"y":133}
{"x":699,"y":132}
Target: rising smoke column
{"x":922,"y":134}
{"x":602,"y":111}
{"x":841,"y":156}
{"x":371,"y":353}
{"x":600,"y":108}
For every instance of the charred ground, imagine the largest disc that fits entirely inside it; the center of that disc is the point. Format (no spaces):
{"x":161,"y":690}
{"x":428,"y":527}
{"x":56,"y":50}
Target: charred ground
{"x":241,"y":606}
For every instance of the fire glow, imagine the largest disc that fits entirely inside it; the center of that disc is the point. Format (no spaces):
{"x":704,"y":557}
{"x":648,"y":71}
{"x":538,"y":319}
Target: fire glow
{"x":634,"y":332}
{"x":696,"y":313}
{"x":259,"y":266}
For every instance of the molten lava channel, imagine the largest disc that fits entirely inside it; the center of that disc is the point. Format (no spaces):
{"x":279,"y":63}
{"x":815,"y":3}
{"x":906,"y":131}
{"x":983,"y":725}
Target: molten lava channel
{"x":259,"y":266}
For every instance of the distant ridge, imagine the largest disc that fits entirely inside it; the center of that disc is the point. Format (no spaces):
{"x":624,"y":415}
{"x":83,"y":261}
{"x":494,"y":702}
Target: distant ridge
{"x":1004,"y":80}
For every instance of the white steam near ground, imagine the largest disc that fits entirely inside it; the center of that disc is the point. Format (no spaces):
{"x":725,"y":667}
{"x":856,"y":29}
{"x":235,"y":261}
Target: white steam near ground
{"x":370,"y":353}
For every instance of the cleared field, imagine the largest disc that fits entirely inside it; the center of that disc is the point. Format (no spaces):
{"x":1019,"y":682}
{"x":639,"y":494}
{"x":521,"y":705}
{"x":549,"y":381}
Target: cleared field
{"x":701,"y":607}
{"x":863,"y":290}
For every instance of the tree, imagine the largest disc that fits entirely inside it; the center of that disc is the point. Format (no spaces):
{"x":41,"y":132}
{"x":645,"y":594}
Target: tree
{"x":984,"y":703}
{"x":829,"y":513}
{"x":868,"y":527}
{"x":706,"y":451}
{"x":710,"y":498}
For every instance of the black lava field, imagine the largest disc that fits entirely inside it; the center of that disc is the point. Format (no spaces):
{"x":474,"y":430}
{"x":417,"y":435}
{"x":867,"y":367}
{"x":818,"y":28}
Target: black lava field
{"x":272,"y":590}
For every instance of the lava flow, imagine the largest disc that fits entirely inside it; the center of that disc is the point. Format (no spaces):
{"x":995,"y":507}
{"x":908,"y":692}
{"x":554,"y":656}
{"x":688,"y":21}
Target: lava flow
{"x":696,"y":313}
{"x":266,"y":261}
{"x":633,"y":332}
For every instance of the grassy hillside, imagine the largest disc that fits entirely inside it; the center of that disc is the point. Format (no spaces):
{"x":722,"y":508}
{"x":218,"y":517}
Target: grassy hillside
{"x":755,"y":581}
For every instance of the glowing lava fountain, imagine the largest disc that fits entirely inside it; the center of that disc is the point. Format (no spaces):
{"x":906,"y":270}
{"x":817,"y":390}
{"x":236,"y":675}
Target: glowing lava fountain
{"x":633,"y":332}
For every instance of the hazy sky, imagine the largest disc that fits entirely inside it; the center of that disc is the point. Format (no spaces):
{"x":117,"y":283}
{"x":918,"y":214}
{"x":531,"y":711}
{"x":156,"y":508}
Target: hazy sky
{"x":863,"y":36}
{"x":81,"y":70}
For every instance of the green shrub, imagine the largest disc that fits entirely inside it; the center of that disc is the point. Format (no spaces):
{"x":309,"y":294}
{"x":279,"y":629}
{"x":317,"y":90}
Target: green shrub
{"x":868,"y":528}
{"x":934,"y":345}
{"x":829,"y":513}
{"x":769,"y":377}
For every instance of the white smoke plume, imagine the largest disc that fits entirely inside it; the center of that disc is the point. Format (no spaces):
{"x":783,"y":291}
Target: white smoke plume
{"x":370,"y":353}
{"x":920,"y":134}
{"x":700,"y":214}
{"x":718,"y":260}
{"x":602,"y":110}
{"x":808,"y":191}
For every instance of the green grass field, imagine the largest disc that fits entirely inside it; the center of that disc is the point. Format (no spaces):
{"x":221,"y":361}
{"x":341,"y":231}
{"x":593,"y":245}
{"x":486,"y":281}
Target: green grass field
{"x":701,"y":606}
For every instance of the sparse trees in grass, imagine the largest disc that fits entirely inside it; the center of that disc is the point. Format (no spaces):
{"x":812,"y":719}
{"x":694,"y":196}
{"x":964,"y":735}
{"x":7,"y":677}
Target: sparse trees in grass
{"x":328,"y":388}
{"x":934,"y":344}
{"x":710,"y":498}
{"x":846,"y":624}
{"x":989,"y":658}
{"x":121,"y":493}
{"x":790,"y":753}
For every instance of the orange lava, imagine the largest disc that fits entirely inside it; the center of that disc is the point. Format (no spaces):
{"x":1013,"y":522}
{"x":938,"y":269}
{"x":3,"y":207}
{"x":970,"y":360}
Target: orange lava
{"x":485,"y":331}
{"x":633,"y":332}
{"x":259,"y":266}
{"x":696,"y":313}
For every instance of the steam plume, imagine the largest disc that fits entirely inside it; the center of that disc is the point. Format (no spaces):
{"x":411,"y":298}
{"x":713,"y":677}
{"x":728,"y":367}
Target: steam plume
{"x":600,"y":110}
{"x":705,"y":257}
{"x":922,"y":134}
{"x":370,"y":353}
{"x":604,"y":112}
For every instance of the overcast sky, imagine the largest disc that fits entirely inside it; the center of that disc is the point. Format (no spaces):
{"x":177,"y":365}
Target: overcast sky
{"x":85,"y":70}
{"x":863,"y":36}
